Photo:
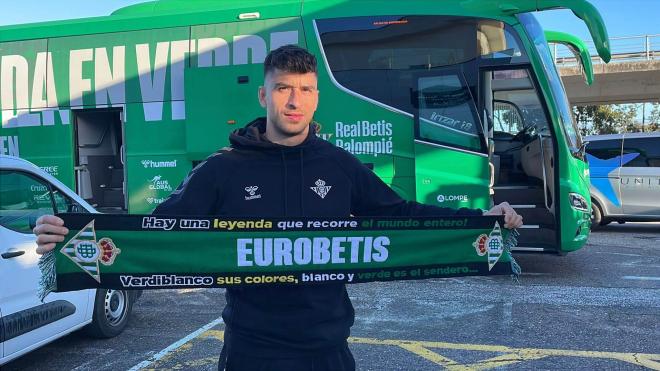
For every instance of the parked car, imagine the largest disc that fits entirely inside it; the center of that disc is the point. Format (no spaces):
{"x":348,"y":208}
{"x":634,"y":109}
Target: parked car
{"x":625,"y":177}
{"x":27,"y":192}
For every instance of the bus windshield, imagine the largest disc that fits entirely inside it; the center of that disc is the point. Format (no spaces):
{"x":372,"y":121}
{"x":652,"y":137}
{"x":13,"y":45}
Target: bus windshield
{"x":568,"y":124}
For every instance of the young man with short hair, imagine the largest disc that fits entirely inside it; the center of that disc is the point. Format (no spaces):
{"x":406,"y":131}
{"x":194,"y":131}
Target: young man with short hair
{"x":282,"y":161}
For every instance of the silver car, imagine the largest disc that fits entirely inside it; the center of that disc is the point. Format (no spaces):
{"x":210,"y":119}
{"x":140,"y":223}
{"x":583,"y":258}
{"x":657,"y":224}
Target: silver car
{"x":625,"y":177}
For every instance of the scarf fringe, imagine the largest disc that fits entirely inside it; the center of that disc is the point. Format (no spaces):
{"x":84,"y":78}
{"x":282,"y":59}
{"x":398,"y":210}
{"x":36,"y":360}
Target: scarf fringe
{"x":47,"y":282}
{"x":511,"y":242}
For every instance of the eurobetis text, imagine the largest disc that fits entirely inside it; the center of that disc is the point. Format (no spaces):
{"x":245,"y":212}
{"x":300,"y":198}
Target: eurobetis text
{"x":317,"y":250}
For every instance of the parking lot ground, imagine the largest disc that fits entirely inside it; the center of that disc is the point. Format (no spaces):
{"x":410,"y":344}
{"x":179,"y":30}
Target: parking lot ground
{"x":403,"y":353}
{"x":596,"y":308}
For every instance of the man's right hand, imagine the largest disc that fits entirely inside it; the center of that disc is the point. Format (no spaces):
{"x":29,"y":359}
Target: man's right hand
{"x":49,"y":230}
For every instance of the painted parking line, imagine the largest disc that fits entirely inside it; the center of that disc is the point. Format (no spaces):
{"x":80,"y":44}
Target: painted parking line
{"x":511,"y":356}
{"x":621,"y":254}
{"x":429,"y":350}
{"x":641,"y":278}
{"x":176,"y":345}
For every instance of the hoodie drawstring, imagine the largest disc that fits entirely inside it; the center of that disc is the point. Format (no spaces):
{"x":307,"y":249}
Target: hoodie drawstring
{"x":284,"y":181}
{"x":302,"y":183}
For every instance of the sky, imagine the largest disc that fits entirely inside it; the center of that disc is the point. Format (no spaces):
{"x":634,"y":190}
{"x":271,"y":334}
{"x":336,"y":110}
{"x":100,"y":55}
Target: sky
{"x":623,"y":17}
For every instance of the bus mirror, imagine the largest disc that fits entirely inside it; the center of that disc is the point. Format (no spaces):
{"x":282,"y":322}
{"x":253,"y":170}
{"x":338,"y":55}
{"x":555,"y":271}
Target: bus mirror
{"x":581,"y":152}
{"x":579,"y":50}
{"x":591,"y":17}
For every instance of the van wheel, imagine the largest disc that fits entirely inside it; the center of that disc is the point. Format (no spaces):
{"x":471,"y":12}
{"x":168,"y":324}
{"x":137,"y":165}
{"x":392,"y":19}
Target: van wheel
{"x":112,"y":308}
{"x":596,"y":216}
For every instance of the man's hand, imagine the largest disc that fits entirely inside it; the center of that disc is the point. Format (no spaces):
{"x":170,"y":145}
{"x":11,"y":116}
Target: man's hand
{"x":49,"y":230}
{"x":511,"y":218}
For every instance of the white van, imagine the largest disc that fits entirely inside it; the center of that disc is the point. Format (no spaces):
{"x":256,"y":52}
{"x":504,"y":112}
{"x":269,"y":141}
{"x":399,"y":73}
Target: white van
{"x":27,"y":192}
{"x":625,"y":177}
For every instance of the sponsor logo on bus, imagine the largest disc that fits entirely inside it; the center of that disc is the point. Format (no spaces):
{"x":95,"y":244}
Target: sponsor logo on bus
{"x":149,"y":164}
{"x":52,"y":170}
{"x":449,"y":198}
{"x":154,"y":200}
{"x":364,"y":137}
{"x":158,"y":184}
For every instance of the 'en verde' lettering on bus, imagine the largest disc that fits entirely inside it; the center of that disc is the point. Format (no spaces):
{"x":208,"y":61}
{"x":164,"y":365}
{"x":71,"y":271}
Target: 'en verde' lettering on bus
{"x":34,"y":103}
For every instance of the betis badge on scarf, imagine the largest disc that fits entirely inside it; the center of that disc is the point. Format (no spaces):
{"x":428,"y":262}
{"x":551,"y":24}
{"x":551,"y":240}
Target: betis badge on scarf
{"x":156,"y":251}
{"x":491,"y":244}
{"x":86,"y":252}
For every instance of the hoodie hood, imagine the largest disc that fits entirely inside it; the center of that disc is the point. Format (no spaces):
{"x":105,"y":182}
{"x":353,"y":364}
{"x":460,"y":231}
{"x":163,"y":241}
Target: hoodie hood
{"x":292,"y":158}
{"x":253,"y":136}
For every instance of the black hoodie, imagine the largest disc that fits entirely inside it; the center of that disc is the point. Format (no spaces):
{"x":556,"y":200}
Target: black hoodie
{"x":258,"y":178}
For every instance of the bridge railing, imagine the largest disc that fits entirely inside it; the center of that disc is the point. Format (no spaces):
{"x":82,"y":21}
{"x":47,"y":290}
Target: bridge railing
{"x":624,"y":49}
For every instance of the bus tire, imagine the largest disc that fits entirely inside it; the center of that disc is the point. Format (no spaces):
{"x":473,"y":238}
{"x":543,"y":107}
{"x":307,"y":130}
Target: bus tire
{"x":112,"y":309}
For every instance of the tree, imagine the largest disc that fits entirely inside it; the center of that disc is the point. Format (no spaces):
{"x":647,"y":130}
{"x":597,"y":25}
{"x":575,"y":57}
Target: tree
{"x":611,"y":119}
{"x":584,"y":118}
{"x":653,"y":123}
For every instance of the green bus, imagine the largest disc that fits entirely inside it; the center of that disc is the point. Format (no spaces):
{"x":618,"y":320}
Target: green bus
{"x":455,"y":103}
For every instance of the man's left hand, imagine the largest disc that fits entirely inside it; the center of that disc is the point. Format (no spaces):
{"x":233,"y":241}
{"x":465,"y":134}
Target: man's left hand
{"x":511,"y":218}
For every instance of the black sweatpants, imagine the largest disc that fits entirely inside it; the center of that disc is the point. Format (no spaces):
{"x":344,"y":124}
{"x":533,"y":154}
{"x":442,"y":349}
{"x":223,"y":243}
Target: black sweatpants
{"x":338,"y":360}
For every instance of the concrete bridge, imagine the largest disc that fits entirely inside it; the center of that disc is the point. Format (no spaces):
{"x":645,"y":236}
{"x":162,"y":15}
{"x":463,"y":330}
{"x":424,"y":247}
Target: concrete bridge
{"x":632,"y":76}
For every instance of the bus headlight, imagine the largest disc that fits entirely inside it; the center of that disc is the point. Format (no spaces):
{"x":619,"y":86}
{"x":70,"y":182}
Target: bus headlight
{"x":578,"y":202}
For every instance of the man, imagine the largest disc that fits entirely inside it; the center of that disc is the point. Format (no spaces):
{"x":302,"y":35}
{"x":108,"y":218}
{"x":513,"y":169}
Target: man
{"x":274,"y":168}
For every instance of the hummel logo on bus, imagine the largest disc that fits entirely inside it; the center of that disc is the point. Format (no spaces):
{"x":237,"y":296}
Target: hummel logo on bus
{"x":252,"y":190}
{"x":321,"y":189}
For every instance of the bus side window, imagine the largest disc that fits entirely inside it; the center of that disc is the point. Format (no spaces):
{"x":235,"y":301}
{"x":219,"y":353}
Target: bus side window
{"x":447,"y":112}
{"x":516,"y":103}
{"x":507,"y":117}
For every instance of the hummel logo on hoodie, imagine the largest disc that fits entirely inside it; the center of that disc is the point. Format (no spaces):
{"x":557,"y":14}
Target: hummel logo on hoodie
{"x":252,"y":190}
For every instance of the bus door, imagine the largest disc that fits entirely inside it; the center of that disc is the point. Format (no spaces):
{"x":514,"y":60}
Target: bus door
{"x":99,"y":165}
{"x":524,"y":155}
{"x":451,"y":157}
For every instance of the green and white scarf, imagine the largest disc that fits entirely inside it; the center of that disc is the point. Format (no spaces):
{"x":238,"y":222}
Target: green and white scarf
{"x":163,"y":252}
